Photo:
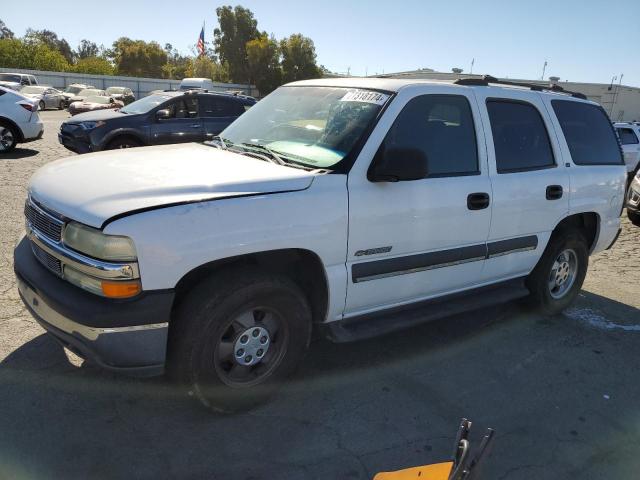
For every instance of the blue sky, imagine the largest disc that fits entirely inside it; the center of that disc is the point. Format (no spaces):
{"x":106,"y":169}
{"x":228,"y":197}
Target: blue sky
{"x":583,"y":40}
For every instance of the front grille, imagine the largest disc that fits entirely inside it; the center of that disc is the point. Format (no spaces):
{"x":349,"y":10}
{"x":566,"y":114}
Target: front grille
{"x":43,"y":222}
{"x":48,"y":260}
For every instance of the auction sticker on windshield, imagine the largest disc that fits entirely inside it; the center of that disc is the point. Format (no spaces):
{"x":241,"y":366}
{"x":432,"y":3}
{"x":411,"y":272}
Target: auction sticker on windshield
{"x":365,"y":96}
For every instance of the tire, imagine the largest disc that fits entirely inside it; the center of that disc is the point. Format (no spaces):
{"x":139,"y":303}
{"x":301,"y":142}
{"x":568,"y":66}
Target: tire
{"x":42,"y":106}
{"x":61,"y":105}
{"x":123,"y":142}
{"x":634,"y":217}
{"x":8,"y":137}
{"x":568,"y":250}
{"x":219,"y":316}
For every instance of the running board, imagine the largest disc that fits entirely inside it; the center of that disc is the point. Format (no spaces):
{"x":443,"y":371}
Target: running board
{"x":399,"y":318}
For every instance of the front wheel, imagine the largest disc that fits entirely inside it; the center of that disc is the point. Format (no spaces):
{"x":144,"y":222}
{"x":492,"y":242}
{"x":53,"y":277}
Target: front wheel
{"x":557,"y":278}
{"x":61,"y":105}
{"x":236,"y":337}
{"x":123,"y":142}
{"x":41,"y":105}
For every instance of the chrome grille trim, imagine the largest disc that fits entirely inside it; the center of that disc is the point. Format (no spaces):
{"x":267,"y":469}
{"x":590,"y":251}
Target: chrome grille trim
{"x":42,"y":221}
{"x":48,"y":260}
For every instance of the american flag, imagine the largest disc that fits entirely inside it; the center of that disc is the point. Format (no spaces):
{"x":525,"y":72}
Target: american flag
{"x":200,"y":45}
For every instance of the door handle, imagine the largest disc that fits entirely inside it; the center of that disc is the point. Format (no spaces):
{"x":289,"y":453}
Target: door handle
{"x":478,"y":201}
{"x":554,"y":192}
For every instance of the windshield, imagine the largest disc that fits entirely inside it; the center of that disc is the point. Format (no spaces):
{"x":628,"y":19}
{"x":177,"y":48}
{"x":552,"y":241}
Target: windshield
{"x":5,"y":77}
{"x":74,"y":90}
{"x":145,"y":104}
{"x":97,"y":99}
{"x":115,"y":90}
{"x":33,"y":89}
{"x":89,"y":92}
{"x":315,"y":126}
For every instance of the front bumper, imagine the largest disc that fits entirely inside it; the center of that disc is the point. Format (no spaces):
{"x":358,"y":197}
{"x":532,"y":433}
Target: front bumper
{"x":75,"y":144}
{"x":128,"y":336}
{"x":633,"y":195}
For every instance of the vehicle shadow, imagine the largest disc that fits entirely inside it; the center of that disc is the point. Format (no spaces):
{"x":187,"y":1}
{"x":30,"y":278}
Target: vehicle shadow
{"x":18,"y":153}
{"x":351,"y":410}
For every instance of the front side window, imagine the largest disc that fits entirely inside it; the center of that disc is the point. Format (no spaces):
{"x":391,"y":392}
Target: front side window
{"x":520,"y":137}
{"x":146,"y":104}
{"x":185,"y":107}
{"x":314,"y":126}
{"x":588,"y":132}
{"x":627,"y":136}
{"x":441,"y":127}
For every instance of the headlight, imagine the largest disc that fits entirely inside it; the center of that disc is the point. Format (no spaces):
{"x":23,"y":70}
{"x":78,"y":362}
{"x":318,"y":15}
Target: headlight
{"x":94,"y":243}
{"x":91,"y":125}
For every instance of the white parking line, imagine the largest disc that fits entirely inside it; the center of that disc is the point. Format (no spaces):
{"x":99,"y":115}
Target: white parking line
{"x":595,"y":319}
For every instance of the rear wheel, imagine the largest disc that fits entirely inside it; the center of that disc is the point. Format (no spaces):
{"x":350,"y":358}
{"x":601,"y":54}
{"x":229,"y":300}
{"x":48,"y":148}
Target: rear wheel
{"x":41,"y":105}
{"x":8,"y":137}
{"x":237,"y":336}
{"x":123,"y":142}
{"x":557,"y":278}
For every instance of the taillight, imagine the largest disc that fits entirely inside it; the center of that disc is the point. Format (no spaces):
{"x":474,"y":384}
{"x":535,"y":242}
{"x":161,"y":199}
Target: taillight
{"x":28,"y":106}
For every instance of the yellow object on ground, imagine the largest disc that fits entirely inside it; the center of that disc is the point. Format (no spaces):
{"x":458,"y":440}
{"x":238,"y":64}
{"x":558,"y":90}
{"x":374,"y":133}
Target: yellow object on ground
{"x":437,"y":471}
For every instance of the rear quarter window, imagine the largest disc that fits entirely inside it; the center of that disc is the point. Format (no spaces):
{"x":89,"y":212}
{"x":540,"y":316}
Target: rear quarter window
{"x":588,"y":132}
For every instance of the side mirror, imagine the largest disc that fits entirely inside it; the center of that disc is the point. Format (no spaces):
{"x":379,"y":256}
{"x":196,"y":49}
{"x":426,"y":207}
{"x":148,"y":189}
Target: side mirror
{"x":163,"y":114}
{"x":399,"y":164}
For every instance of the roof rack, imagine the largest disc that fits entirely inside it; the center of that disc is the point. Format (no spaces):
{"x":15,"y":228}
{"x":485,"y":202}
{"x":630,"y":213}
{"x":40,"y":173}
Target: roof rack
{"x":487,"y":79}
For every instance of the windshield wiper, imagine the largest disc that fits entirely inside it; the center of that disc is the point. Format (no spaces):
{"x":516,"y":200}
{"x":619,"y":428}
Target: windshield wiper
{"x":263,"y":148}
{"x":221,"y":144}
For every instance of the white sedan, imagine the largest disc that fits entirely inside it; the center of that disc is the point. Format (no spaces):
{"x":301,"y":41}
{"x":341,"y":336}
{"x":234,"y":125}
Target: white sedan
{"x":19,"y":120}
{"x":46,"y":97}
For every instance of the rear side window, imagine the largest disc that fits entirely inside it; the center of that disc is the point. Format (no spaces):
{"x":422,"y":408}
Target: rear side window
{"x":627,"y":136}
{"x":520,"y":137}
{"x":220,"y":107}
{"x":442,"y":127}
{"x":588,"y":132}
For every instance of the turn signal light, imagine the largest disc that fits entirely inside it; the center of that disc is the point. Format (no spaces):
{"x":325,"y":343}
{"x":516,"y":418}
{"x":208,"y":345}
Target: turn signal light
{"x":121,"y":289}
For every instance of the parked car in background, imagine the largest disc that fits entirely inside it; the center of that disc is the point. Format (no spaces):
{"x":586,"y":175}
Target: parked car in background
{"x":167,"y":117}
{"x":45,"y":97}
{"x":90,"y":104}
{"x":195,"y":83}
{"x":123,"y":94}
{"x":73,"y":90}
{"x":19,"y":120}
{"x":87,"y":92}
{"x":633,"y":200}
{"x":629,"y":135}
{"x":15,"y":81}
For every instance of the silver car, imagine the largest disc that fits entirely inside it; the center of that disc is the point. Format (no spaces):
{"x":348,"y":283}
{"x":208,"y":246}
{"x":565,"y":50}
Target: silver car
{"x":46,"y":97}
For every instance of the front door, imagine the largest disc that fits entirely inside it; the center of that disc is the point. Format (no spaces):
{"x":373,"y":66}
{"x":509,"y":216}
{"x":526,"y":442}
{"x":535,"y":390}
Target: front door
{"x":411,"y":240}
{"x":183,"y":125}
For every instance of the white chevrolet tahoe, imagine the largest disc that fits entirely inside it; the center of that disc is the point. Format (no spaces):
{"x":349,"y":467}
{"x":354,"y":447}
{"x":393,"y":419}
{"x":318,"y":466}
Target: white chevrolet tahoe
{"x":348,"y":206}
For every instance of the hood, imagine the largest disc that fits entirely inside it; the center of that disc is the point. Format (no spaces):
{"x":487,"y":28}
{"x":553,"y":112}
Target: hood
{"x":94,"y":187}
{"x":97,"y":115}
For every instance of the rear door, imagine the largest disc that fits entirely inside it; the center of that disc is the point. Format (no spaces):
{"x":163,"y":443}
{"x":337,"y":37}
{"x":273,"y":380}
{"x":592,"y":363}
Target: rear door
{"x":218,"y":113}
{"x":529,"y":180}
{"x":183,"y":125}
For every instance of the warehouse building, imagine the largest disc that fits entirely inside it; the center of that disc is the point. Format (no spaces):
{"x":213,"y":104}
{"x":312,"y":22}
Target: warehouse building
{"x":621,"y":102}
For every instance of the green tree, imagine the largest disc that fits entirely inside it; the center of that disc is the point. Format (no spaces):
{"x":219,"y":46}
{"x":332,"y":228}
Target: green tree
{"x":138,"y":58}
{"x":87,"y":49}
{"x":263,"y":62}
{"x":177,"y":65}
{"x":50,"y":39}
{"x":206,"y":67}
{"x":237,"y":26}
{"x":94,"y":66}
{"x":4,"y":31}
{"x":298,"y":58}
{"x":16,"y":53}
